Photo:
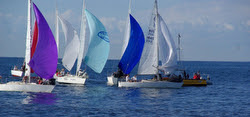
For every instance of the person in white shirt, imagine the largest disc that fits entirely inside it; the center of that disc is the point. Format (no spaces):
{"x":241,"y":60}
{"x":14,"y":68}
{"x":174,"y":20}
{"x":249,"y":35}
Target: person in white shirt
{"x":134,"y":78}
{"x":127,"y":78}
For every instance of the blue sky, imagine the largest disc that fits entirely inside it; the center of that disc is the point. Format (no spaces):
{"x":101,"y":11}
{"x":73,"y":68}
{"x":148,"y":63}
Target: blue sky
{"x":211,"y":30}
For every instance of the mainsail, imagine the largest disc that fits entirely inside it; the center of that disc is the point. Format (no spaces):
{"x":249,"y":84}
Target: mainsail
{"x":127,"y":31}
{"x":149,"y":59}
{"x":44,"y":60}
{"x":98,"y":50}
{"x":82,"y":39}
{"x":134,"y":48}
{"x":72,"y":44}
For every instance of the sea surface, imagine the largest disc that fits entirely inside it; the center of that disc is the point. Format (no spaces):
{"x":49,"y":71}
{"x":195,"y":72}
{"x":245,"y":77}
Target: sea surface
{"x":228,"y":96}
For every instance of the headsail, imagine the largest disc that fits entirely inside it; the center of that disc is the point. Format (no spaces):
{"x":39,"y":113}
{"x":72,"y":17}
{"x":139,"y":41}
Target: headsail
{"x":167,"y":48}
{"x":99,"y":46}
{"x":72,"y":44}
{"x":134,"y":48}
{"x":44,"y":60}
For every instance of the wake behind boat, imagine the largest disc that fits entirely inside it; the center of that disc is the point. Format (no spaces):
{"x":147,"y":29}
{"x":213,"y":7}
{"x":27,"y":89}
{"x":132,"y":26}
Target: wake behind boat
{"x":44,"y":59}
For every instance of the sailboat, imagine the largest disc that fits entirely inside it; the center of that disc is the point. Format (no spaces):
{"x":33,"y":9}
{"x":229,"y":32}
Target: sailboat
{"x":131,"y":50}
{"x":97,"y":52}
{"x":70,"y":55}
{"x":16,"y":72}
{"x":44,"y":59}
{"x":159,"y":47}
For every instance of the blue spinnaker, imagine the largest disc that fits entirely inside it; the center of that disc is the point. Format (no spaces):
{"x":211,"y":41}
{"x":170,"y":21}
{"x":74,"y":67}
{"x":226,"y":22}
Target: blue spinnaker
{"x":44,"y":60}
{"x":134,"y":49}
{"x":98,"y":50}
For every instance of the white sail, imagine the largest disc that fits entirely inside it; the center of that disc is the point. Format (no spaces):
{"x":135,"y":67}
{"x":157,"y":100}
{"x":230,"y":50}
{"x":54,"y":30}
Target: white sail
{"x":82,"y":38}
{"x":167,"y":48}
{"x":127,"y":31}
{"x":72,"y":44}
{"x":149,"y":58}
{"x":159,"y":46}
{"x":28,"y":41}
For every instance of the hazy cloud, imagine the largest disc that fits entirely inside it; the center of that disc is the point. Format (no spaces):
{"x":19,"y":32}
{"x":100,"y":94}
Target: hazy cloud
{"x":248,"y":22}
{"x":228,"y":26}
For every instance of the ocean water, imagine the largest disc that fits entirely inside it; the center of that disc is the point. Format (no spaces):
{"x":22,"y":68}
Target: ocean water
{"x":228,"y":96}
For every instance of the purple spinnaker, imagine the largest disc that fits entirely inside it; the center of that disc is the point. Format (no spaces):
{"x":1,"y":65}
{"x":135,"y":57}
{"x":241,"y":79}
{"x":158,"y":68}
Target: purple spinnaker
{"x":44,"y":60}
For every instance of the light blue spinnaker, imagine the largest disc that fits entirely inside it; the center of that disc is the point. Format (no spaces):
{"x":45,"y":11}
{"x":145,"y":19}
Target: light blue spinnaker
{"x":134,"y":48}
{"x":98,"y":50}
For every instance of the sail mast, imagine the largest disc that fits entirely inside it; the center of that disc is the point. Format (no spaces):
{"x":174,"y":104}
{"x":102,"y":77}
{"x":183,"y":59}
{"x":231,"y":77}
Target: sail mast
{"x":82,"y":38}
{"x":179,"y":46}
{"x":129,"y":8}
{"x":156,"y":36}
{"x":28,"y":42}
{"x":57,"y":30}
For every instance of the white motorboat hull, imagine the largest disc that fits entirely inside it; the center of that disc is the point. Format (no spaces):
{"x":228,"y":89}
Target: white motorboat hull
{"x":71,"y":79}
{"x":112,"y":80}
{"x":26,"y":87}
{"x":16,"y":73}
{"x":151,"y":84}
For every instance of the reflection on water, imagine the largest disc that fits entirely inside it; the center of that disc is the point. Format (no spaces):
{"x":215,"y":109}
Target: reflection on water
{"x":155,"y":93}
{"x":40,"y":98}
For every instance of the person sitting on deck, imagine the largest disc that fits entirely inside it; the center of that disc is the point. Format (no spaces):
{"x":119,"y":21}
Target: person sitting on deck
{"x":187,"y":76}
{"x":23,"y":67}
{"x":195,"y":76}
{"x":15,"y":67}
{"x":62,"y":72}
{"x":40,"y":81}
{"x":134,"y":78}
{"x":198,"y":75}
{"x":25,"y":78}
{"x":118,"y":74}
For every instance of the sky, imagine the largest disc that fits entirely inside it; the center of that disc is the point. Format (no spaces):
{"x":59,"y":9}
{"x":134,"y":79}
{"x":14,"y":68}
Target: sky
{"x":211,"y":30}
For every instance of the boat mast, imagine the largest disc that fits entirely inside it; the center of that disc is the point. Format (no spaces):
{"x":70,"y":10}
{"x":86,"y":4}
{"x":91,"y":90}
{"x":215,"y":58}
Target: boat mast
{"x":82,"y":38}
{"x":179,"y":47}
{"x":57,"y":30}
{"x":129,"y":8}
{"x":28,"y":42}
{"x":156,"y":39}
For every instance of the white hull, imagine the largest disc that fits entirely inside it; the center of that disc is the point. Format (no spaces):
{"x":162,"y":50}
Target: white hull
{"x":16,"y":73}
{"x":71,"y":79}
{"x":151,"y":84}
{"x":112,"y":80}
{"x":26,"y":87}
